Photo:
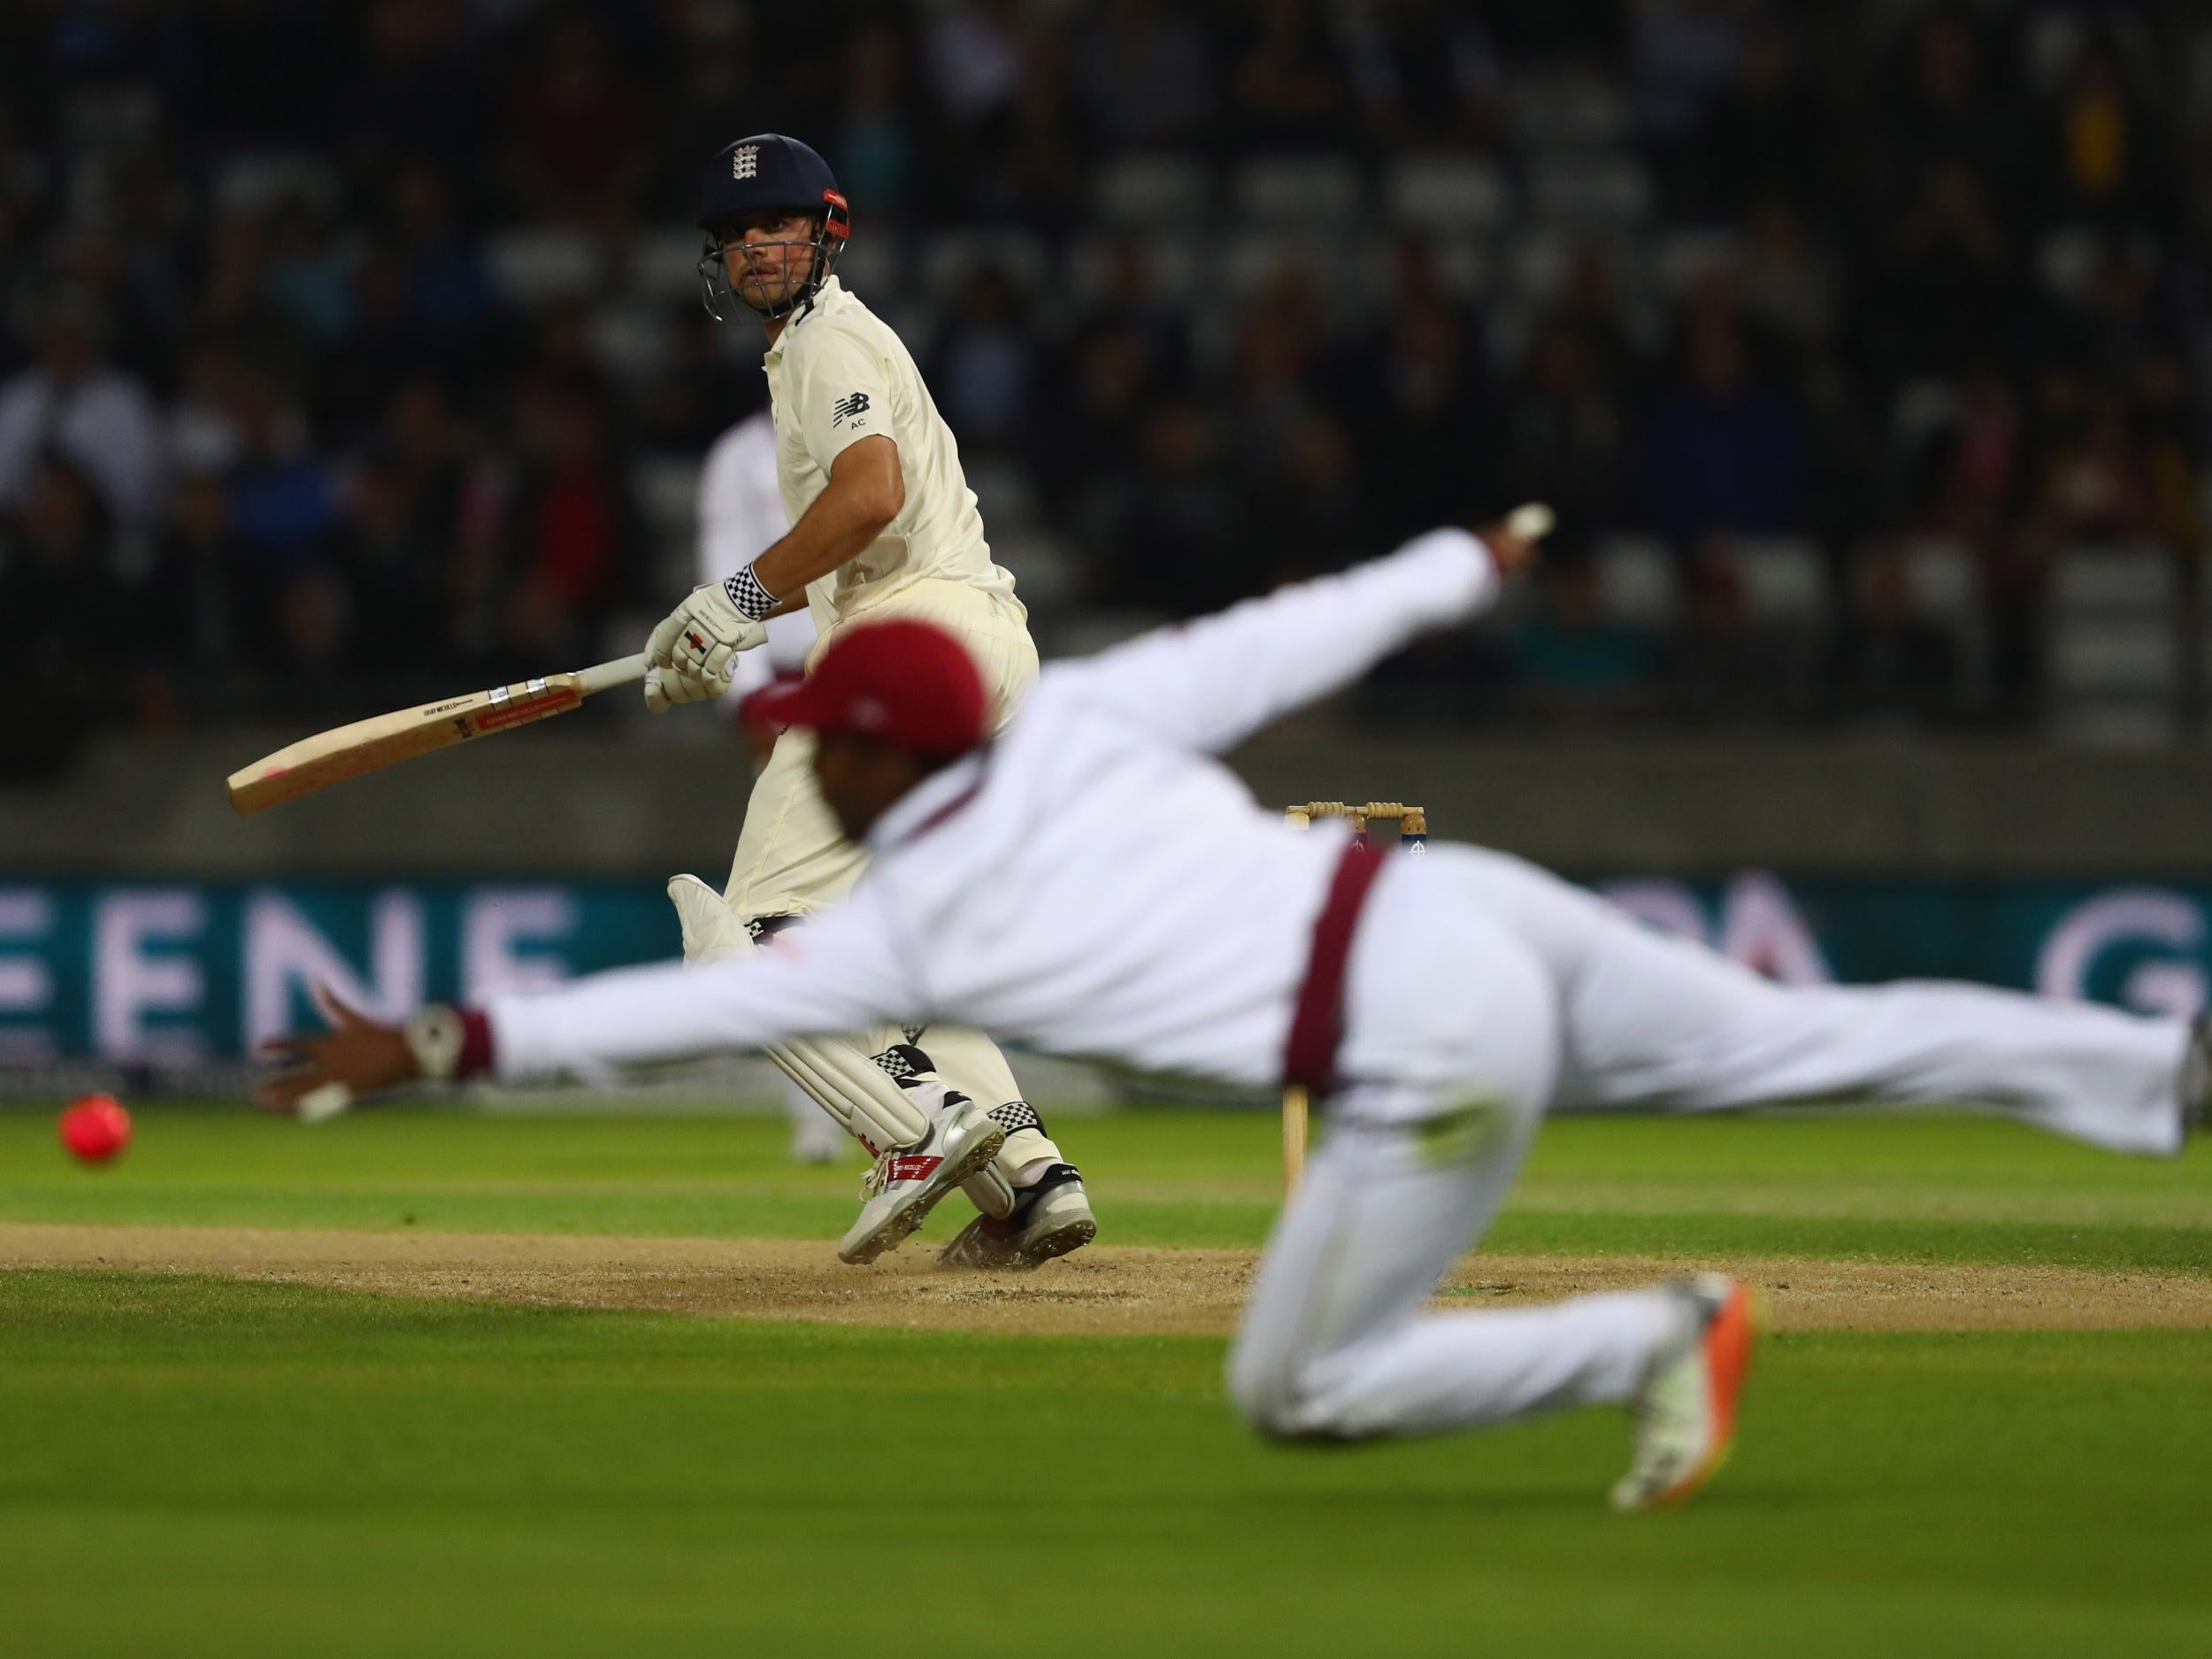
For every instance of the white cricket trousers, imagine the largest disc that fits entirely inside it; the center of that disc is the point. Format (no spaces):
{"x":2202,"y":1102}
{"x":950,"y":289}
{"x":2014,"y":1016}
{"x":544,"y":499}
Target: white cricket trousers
{"x":1484,"y":991}
{"x":792,"y":859}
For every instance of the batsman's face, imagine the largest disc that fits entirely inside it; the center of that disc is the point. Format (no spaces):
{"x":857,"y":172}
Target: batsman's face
{"x":769,"y":257}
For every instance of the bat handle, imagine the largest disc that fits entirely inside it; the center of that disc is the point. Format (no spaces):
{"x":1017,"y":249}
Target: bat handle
{"x":606,"y":676}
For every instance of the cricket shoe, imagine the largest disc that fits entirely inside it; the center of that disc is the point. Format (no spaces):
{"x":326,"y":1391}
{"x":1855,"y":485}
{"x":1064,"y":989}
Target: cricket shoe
{"x":1686,"y":1413}
{"x":1050,"y":1218}
{"x":907,"y":1181}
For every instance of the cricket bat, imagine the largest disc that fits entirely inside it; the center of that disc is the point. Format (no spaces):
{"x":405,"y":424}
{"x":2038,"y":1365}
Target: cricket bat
{"x":385,"y":740}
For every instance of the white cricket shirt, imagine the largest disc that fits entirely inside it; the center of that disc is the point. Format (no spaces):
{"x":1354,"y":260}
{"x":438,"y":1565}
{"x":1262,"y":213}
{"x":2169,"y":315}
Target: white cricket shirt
{"x":1092,"y":884}
{"x":838,"y":375}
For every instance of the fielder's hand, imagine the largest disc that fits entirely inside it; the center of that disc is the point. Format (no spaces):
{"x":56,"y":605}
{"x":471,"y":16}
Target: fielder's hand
{"x":1512,"y":540}
{"x":356,"y":1056}
{"x":687,"y":658}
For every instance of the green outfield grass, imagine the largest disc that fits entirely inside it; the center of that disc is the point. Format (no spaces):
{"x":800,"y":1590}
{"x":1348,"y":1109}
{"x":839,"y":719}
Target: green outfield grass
{"x":191,"y":1466}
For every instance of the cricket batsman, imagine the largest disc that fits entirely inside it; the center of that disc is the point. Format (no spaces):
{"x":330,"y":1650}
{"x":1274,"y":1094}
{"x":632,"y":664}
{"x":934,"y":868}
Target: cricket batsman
{"x":881,"y":523}
{"x":1437,"y":1006}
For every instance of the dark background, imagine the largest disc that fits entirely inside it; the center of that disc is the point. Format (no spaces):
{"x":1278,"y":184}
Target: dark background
{"x":349,"y":352}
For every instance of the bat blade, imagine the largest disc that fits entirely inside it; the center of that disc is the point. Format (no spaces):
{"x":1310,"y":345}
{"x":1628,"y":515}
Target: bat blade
{"x":385,"y":740}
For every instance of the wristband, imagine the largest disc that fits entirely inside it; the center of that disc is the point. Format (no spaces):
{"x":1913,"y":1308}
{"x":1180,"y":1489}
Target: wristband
{"x":449,"y":1042}
{"x":744,"y":590}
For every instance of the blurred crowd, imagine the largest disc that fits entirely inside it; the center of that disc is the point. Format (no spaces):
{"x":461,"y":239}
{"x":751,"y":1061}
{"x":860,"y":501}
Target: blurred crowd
{"x":352,"y":345}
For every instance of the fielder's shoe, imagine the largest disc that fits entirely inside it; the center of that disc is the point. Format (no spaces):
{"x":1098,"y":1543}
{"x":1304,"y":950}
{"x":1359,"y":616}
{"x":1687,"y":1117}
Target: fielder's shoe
{"x":907,"y":1181}
{"x":1050,"y":1218}
{"x":1686,"y":1417}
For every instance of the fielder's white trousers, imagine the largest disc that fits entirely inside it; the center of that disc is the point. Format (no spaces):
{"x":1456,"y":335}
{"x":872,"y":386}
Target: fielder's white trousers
{"x":1483,"y":992}
{"x":1651,"y":1021}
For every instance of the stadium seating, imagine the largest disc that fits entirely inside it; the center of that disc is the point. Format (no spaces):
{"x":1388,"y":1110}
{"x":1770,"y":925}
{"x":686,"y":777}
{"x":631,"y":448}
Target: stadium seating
{"x":1447,"y":195}
{"x":1308,"y":192}
{"x":1785,"y":580}
{"x":1152,"y":190}
{"x":544,"y":264}
{"x":2114,"y":644}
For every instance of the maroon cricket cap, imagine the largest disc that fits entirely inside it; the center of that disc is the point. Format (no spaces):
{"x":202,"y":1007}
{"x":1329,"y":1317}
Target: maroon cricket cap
{"x":908,"y":683}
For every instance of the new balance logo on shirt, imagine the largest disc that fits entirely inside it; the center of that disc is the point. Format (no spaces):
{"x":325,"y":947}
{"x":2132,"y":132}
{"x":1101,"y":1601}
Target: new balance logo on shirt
{"x":855,"y":405}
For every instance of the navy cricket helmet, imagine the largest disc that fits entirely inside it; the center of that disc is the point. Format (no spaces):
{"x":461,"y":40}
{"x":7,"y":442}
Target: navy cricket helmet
{"x":765,"y":173}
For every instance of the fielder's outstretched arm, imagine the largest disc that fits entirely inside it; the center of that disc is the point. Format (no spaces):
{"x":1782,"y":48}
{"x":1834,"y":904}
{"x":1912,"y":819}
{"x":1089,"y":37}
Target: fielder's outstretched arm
{"x":1212,"y":683}
{"x":845,"y":971}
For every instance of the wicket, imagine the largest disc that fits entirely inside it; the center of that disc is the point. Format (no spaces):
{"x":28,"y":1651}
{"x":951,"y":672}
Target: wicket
{"x":1413,"y":835}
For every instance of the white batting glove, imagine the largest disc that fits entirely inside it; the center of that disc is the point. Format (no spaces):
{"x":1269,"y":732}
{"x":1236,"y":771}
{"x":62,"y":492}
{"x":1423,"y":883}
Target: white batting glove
{"x":689,"y":654}
{"x":665,"y":688}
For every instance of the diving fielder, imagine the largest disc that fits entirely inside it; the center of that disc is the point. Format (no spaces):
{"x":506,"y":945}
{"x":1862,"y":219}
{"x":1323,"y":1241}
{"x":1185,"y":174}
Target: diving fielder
{"x":1439,"y":1006}
{"x":882,"y":523}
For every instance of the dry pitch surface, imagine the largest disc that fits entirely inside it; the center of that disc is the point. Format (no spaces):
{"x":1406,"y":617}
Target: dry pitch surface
{"x":1105,"y":1290}
{"x":1847,"y":1223}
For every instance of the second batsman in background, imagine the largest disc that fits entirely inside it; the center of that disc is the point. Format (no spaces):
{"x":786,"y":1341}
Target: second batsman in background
{"x":740,"y":511}
{"x":881,"y":523}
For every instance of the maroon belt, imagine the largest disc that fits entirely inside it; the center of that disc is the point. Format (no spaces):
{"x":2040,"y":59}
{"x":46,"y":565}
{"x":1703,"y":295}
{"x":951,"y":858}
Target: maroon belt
{"x":1316,"y":1022}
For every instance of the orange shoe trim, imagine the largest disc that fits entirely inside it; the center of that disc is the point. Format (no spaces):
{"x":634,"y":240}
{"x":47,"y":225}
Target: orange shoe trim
{"x":1728,"y":1343}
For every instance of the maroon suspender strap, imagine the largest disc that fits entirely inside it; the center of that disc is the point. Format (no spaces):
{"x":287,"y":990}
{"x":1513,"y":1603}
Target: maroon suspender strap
{"x":1317,"y":1021}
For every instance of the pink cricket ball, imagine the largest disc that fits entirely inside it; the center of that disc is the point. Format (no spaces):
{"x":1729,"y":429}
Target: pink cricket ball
{"x":96,"y":1128}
